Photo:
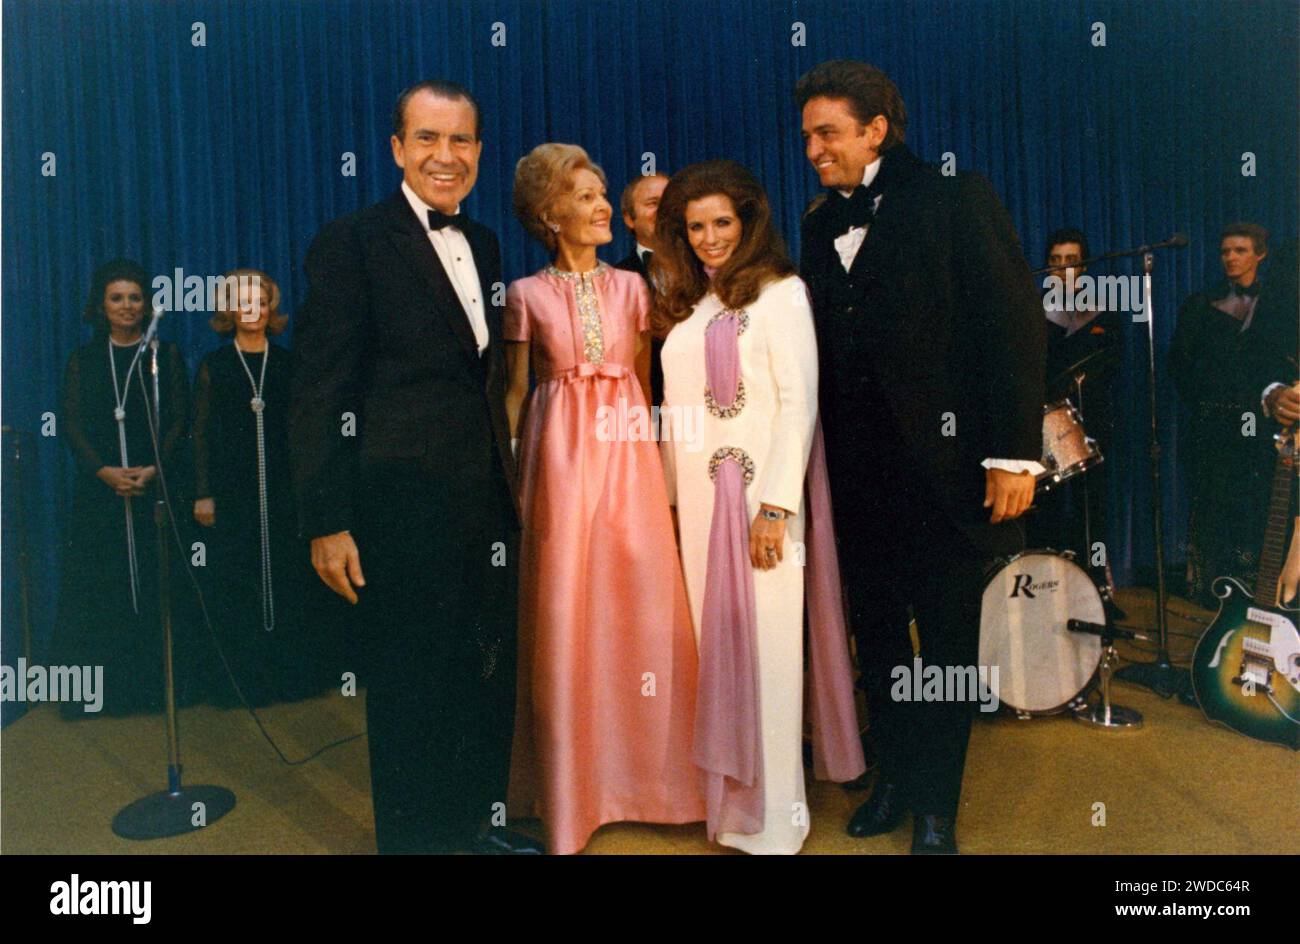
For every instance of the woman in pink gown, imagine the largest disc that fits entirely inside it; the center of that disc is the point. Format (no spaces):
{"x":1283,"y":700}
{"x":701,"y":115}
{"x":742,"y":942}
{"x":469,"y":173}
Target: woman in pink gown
{"x":607,"y":660}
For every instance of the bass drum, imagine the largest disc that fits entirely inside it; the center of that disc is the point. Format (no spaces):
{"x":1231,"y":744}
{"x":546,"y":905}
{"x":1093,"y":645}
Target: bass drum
{"x":1042,"y":667}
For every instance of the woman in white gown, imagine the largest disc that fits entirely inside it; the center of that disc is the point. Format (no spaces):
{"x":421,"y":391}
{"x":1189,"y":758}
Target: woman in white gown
{"x":739,"y":426}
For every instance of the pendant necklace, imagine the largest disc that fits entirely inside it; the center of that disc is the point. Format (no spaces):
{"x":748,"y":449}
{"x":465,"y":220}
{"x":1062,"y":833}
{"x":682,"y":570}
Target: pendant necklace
{"x":257,"y":404}
{"x":119,"y":414}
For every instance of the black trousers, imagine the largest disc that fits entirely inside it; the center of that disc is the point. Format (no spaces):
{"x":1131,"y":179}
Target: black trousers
{"x":931,"y":571}
{"x":437,"y":624}
{"x":902,"y":556}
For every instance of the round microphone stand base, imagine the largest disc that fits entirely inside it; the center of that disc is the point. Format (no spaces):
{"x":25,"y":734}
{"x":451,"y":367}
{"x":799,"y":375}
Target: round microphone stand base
{"x":173,"y":812}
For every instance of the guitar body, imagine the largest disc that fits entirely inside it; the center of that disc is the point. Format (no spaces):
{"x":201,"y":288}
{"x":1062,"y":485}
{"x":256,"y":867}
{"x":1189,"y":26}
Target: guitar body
{"x":1246,"y":668}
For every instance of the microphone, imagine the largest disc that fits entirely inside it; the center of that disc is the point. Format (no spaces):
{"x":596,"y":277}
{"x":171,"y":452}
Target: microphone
{"x":1176,"y":241}
{"x":152,"y":331}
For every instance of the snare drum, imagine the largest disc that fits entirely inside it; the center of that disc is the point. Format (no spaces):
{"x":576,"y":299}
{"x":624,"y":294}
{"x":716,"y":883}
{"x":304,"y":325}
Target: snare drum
{"x":1042,"y":667}
{"x":1067,"y":449}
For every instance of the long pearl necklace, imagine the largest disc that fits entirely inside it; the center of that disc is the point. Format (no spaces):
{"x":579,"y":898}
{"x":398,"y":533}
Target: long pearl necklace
{"x":257,"y":405}
{"x":119,"y":414}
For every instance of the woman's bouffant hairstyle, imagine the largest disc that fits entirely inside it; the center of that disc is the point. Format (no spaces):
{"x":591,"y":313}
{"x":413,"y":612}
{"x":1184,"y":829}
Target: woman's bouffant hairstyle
{"x":544,"y":173}
{"x":117,"y":270}
{"x":223,"y":322}
{"x":759,"y":258}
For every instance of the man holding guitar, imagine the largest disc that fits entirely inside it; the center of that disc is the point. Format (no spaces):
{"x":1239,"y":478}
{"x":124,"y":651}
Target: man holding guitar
{"x":1235,"y":349}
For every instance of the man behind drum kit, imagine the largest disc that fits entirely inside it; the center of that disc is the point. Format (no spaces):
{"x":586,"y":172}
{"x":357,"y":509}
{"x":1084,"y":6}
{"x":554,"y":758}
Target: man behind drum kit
{"x":1083,"y":344}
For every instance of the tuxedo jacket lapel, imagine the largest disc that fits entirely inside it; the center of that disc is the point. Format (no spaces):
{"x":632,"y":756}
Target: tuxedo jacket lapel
{"x":412,"y":241}
{"x":897,"y":166}
{"x":479,"y":247}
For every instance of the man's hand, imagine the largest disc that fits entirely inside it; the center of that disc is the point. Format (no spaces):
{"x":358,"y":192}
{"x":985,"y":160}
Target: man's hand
{"x":205,"y":511}
{"x":1284,"y":404}
{"x":335,"y":558}
{"x":1009,"y":494}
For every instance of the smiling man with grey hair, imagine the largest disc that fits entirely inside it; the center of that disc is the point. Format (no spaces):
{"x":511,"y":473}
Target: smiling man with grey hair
{"x":402,"y":466}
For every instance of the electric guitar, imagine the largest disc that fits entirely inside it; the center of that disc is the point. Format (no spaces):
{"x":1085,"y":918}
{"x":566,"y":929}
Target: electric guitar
{"x":1246,"y":668}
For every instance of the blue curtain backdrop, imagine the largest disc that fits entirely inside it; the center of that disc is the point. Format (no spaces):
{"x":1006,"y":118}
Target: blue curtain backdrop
{"x":206,"y":157}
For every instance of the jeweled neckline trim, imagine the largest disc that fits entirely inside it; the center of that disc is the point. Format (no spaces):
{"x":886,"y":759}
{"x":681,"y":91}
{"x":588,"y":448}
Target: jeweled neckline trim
{"x":601,"y":269}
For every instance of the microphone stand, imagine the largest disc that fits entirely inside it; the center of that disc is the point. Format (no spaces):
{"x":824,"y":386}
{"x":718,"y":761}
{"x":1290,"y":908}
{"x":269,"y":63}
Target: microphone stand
{"x":1176,"y":241}
{"x":24,"y":558}
{"x":1161,"y":676}
{"x":176,"y":810}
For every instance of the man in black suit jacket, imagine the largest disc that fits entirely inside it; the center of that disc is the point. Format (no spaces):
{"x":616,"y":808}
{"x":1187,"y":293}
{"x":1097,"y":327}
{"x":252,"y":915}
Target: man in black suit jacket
{"x":1073,"y":516}
{"x":403,"y":464}
{"x":640,"y":206}
{"x":932,"y":349}
{"x":1233,"y":355}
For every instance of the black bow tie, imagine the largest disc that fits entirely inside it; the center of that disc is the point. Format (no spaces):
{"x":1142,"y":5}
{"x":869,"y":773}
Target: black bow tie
{"x":857,"y":209}
{"x":438,"y":219}
{"x":1251,"y":290}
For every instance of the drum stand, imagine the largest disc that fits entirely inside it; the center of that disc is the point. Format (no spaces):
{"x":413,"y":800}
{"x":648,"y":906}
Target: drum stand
{"x":1104,"y":714}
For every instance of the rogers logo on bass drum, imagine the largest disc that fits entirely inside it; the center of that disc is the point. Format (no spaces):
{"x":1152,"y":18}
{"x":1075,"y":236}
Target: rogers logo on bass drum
{"x":1022,"y":585}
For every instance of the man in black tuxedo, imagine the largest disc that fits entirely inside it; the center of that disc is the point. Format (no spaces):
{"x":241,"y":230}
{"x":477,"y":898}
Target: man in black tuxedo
{"x":1233,"y":356}
{"x":403,"y":464}
{"x":1084,"y":342}
{"x":931,"y":342}
{"x":640,"y":206}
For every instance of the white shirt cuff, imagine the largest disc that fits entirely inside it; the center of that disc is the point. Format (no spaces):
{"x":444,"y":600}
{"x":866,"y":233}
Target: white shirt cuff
{"x":1015,"y":465}
{"x":1263,"y":398}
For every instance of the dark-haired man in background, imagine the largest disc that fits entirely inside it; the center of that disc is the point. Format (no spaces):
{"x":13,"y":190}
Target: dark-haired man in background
{"x":931,"y":342}
{"x":640,"y":206}
{"x":1083,"y":350}
{"x":402,"y":464}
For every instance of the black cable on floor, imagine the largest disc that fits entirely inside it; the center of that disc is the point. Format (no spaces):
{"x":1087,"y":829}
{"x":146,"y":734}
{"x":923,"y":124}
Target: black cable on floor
{"x":207,"y":620}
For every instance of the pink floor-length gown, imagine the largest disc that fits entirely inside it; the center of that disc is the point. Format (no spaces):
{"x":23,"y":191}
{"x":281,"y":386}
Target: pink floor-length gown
{"x":607,"y":657}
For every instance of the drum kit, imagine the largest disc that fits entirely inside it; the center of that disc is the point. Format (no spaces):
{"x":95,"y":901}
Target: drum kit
{"x":1044,"y":621}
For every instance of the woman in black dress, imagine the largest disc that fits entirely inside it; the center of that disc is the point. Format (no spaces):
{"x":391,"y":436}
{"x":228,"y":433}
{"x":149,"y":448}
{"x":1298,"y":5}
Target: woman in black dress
{"x":108,"y":604}
{"x":258,"y":570}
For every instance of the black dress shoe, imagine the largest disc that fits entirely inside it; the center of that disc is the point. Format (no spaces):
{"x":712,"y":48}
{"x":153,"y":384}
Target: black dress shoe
{"x":934,"y":835}
{"x":882,"y":813}
{"x":501,"y":841}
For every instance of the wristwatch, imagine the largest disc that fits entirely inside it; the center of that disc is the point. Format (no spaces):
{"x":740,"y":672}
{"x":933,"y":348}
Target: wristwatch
{"x":772,"y":514}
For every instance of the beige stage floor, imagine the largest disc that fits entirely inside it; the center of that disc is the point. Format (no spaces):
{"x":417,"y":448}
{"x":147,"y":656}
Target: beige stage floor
{"x":1178,"y":785}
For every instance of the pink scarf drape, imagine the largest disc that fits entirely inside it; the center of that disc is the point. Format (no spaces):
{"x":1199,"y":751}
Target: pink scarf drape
{"x":728,"y":736}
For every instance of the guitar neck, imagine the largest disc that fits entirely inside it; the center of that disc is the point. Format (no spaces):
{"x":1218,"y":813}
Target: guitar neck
{"x":1275,"y":534}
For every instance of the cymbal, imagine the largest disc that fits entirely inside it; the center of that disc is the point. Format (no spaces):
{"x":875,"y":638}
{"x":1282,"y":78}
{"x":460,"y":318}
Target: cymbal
{"x":1090,"y":361}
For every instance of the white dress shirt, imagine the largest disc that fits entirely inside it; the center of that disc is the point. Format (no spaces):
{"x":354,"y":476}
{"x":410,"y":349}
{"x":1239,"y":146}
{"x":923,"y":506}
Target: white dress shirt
{"x":848,"y":244}
{"x":458,"y":262}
